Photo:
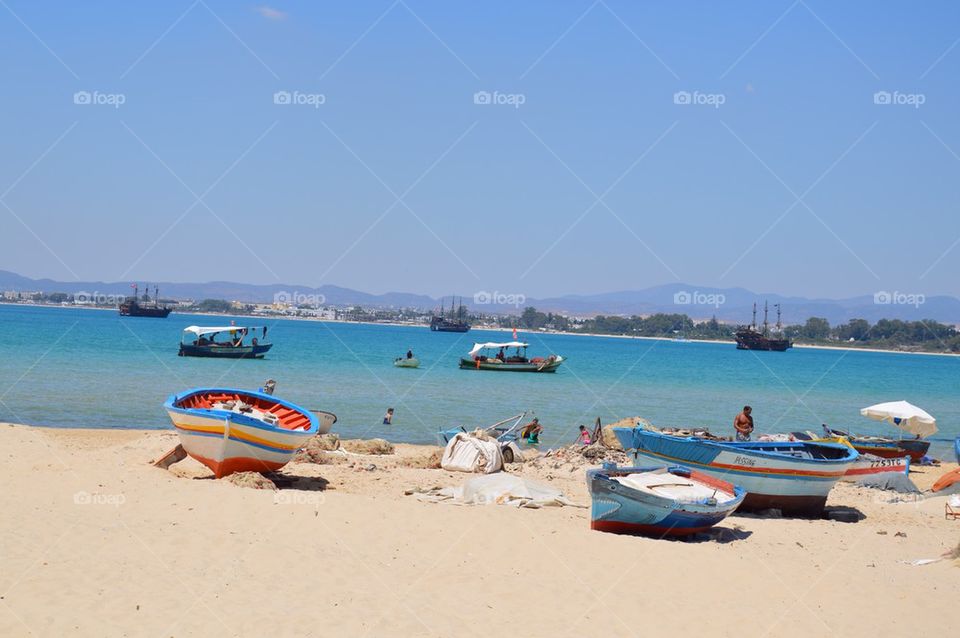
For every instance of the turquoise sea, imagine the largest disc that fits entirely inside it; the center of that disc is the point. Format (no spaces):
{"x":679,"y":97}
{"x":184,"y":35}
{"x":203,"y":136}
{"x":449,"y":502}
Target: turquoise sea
{"x":66,"y":367}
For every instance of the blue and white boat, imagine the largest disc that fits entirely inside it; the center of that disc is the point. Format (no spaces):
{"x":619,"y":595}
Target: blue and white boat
{"x":956,"y":449}
{"x":794,"y":477}
{"x":658,"y":501}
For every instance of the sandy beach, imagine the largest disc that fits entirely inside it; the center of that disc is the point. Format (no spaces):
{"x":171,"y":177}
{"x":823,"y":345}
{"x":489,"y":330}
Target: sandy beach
{"x":97,"y":542}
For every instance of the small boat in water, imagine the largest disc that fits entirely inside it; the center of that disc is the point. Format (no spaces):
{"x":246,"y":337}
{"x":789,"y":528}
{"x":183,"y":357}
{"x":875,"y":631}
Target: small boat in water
{"x":793,"y":477}
{"x":658,"y":501}
{"x":496,"y":356}
{"x":406,"y":362}
{"x":229,"y":342}
{"x":231,"y":430}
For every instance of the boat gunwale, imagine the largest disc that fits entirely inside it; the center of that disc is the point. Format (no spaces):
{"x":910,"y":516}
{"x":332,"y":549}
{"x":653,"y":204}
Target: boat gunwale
{"x":242,"y":419}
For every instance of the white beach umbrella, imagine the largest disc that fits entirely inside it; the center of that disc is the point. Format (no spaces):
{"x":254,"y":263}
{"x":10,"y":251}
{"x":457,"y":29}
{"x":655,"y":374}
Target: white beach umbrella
{"x":905,"y":416}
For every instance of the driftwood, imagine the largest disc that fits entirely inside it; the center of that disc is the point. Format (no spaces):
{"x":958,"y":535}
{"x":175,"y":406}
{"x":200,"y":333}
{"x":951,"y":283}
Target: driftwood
{"x":175,"y":455}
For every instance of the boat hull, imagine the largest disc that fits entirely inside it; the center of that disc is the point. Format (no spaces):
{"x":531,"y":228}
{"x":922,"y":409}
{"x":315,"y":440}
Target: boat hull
{"x":225,"y":352}
{"x":471,"y":364}
{"x":229,"y":442}
{"x":620,"y":509}
{"x":129,"y":310}
{"x":915,"y":449}
{"x":771,"y":476}
{"x":407,"y":363}
{"x":956,"y":449}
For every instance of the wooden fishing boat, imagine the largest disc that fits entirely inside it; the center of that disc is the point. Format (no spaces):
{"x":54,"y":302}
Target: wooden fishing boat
{"x":658,"y":501}
{"x":496,"y":356}
{"x":404,"y":362}
{"x":228,"y":342}
{"x":793,"y":477}
{"x":880,"y":446}
{"x":231,"y":430}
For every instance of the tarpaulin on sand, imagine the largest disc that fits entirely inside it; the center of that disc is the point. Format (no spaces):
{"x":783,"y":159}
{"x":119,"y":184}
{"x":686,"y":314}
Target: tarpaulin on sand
{"x":469,"y":453}
{"x":894,"y":481}
{"x":497,"y":489}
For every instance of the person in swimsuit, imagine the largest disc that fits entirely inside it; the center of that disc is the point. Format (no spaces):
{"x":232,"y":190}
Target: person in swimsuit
{"x":743,"y":424}
{"x":388,"y":417}
{"x":584,"y":437}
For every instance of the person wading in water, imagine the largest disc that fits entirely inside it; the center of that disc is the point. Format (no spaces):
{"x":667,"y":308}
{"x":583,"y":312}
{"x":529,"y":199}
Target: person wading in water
{"x":743,"y":424}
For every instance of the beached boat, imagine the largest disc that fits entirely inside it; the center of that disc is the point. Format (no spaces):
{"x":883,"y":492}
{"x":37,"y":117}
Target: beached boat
{"x":901,"y":414}
{"x":880,"y":446}
{"x":231,"y":430}
{"x":956,"y":449}
{"x":793,"y":477}
{"x":658,"y":501}
{"x":496,"y":356}
{"x":228,"y":342}
{"x":404,"y":362}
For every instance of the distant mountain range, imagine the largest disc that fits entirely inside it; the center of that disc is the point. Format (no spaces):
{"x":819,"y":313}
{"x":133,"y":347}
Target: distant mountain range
{"x":732,"y":305}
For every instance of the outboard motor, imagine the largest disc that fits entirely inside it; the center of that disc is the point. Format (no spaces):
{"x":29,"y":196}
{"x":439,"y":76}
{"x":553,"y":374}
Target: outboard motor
{"x":268,"y":386}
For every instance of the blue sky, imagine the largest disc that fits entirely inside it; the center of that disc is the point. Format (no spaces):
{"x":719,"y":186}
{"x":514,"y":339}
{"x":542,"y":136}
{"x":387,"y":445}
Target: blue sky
{"x":798,"y":182}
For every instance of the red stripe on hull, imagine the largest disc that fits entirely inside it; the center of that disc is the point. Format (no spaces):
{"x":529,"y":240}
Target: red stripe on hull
{"x":230,"y":466}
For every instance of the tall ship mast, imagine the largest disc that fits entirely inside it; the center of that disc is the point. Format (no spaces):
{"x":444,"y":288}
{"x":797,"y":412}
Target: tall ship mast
{"x":136,"y":307}
{"x":749,"y":338}
{"x":454,"y":321}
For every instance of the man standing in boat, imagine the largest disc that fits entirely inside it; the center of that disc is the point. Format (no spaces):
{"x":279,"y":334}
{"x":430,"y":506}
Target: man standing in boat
{"x":743,"y":424}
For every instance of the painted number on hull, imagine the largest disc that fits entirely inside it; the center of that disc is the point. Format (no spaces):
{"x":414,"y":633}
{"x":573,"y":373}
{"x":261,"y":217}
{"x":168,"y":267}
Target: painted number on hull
{"x":744,"y":460}
{"x":885,"y":462}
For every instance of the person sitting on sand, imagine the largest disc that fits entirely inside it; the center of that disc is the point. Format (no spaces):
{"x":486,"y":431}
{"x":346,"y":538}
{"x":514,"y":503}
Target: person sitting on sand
{"x":388,"y":417}
{"x":531,"y":432}
{"x":743,"y":424}
{"x":584,"y":437}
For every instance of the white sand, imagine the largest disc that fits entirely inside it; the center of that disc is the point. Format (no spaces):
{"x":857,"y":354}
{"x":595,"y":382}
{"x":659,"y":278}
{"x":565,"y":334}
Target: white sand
{"x":95,"y":542}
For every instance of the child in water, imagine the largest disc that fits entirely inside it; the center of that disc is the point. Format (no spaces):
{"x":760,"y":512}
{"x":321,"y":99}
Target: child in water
{"x":388,"y":417}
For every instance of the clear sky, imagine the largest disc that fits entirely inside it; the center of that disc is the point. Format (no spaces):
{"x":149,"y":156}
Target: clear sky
{"x":625,"y":144}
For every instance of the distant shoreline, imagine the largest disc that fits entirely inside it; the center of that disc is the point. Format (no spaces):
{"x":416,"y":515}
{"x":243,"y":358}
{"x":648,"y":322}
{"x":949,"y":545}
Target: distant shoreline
{"x":494,"y":329}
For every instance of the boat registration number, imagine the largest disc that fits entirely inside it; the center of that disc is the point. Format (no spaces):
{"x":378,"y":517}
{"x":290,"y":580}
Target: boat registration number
{"x":885,"y":462}
{"x":744,"y":460}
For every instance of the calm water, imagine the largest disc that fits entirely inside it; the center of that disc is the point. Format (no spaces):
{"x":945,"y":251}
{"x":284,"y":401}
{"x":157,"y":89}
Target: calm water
{"x":89,"y":368}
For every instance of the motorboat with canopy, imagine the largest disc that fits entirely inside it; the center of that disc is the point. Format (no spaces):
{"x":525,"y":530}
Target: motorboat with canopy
{"x":227,"y":342}
{"x":508,"y":356}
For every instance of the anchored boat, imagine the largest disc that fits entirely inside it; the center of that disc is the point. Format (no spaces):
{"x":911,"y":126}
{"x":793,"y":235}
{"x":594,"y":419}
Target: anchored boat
{"x":406,"y":362}
{"x":137,"y":306}
{"x":750,"y":338}
{"x":230,"y":342}
{"x":497,"y":356}
{"x":794,"y":477}
{"x":658,"y":501}
{"x":231,"y":430}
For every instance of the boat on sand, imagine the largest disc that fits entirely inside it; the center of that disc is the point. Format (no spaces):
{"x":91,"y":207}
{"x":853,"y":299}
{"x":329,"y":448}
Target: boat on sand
{"x":658,"y":501}
{"x":793,"y":477}
{"x":231,"y":430}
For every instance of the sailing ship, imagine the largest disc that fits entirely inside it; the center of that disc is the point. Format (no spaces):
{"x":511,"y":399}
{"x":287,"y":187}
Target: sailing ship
{"x":136,"y":307}
{"x":455,"y":322}
{"x":750,"y":338}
